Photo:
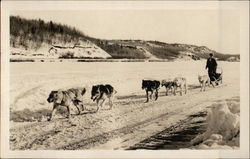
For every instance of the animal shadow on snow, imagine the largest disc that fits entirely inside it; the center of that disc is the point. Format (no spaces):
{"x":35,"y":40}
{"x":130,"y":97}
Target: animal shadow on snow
{"x":194,"y":86}
{"x":131,"y":97}
{"x":134,"y":99}
{"x":28,"y":115}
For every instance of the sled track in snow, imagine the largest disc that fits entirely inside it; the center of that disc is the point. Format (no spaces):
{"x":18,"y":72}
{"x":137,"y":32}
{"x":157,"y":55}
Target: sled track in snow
{"x":87,"y":143}
{"x":103,"y":138}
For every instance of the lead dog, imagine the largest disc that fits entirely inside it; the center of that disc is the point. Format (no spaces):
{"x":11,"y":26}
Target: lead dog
{"x":102,"y":92}
{"x":66,"y":98}
{"x":151,"y":86}
{"x":169,"y":85}
{"x":204,"y":79}
{"x":180,"y":82}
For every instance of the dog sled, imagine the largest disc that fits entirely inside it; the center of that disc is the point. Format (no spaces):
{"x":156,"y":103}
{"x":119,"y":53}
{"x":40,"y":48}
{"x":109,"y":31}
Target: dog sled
{"x":217,"y":76}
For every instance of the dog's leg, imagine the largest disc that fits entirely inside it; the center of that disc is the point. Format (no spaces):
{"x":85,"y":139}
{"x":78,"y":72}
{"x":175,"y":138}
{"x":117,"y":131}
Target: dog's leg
{"x":103,"y":102}
{"x":167,"y":89}
{"x":69,"y":115}
{"x":147,"y":97}
{"x":111,"y":102}
{"x":151,"y":94}
{"x":76,"y":103}
{"x":201,"y":84}
{"x":97,"y":109}
{"x":98,"y":104}
{"x":80,"y":103}
{"x":181,"y":90}
{"x":156,"y":94}
{"x":171,"y":89}
{"x":82,"y":106}
{"x":209,"y":83}
{"x":185,"y":88}
{"x":79,"y":112}
{"x":110,"y":105}
{"x":175,"y":87}
{"x":53,"y":112}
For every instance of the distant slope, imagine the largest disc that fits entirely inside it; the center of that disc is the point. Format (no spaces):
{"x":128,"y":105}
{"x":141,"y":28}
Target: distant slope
{"x":39,"y":39}
{"x":159,"y":50}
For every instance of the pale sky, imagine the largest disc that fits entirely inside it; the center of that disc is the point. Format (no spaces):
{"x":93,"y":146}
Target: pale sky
{"x":217,"y":29}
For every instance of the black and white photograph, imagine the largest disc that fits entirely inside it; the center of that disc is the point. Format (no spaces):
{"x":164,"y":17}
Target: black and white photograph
{"x":123,"y":76}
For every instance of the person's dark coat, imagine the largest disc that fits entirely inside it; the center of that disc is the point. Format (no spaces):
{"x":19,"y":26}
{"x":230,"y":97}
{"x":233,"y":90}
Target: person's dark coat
{"x":211,"y":65}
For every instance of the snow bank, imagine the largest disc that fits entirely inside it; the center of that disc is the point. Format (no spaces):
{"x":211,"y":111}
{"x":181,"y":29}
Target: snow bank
{"x":223,"y":127}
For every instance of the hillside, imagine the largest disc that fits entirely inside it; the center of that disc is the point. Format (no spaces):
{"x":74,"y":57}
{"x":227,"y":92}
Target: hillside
{"x":39,"y":39}
{"x":159,"y":50}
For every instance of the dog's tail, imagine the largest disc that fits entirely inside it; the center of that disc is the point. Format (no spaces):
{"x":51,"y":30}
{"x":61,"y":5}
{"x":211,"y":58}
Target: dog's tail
{"x":186,"y":87}
{"x":83,"y":91}
{"x":115,"y":91}
{"x":199,"y":74}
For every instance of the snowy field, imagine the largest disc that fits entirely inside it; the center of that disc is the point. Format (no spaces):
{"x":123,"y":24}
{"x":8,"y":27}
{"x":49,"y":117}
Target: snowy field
{"x":31,"y":83}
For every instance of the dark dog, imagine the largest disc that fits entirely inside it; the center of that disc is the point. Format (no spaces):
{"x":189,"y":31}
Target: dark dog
{"x":169,"y":84}
{"x":151,"y":86}
{"x":66,"y":98}
{"x":102,"y":92}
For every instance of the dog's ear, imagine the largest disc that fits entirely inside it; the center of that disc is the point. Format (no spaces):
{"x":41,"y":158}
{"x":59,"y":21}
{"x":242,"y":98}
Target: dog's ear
{"x":59,"y":97}
{"x":53,"y":92}
{"x":95,"y":88}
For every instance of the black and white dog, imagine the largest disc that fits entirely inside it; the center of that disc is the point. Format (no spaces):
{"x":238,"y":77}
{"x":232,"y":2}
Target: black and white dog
{"x":100,"y":93}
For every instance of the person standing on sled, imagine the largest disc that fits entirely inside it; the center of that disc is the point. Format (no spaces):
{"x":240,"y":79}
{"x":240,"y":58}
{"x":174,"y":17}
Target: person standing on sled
{"x":212,"y":66}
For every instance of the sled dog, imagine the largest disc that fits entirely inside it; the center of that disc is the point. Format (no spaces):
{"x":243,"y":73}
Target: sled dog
{"x":180,"y":82}
{"x":169,"y":85}
{"x":100,"y":93}
{"x":66,"y":98}
{"x":151,"y":86}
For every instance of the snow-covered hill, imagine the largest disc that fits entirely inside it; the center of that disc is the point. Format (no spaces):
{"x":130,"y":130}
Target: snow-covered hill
{"x":84,"y":50}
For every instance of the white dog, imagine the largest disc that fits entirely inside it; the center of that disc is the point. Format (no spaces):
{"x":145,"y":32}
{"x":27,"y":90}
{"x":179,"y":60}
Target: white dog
{"x":204,"y":80}
{"x":180,"y":82}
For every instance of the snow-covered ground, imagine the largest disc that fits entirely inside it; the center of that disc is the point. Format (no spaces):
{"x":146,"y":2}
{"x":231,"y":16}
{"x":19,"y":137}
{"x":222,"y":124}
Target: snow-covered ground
{"x":30,"y":84}
{"x":223,"y":129}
